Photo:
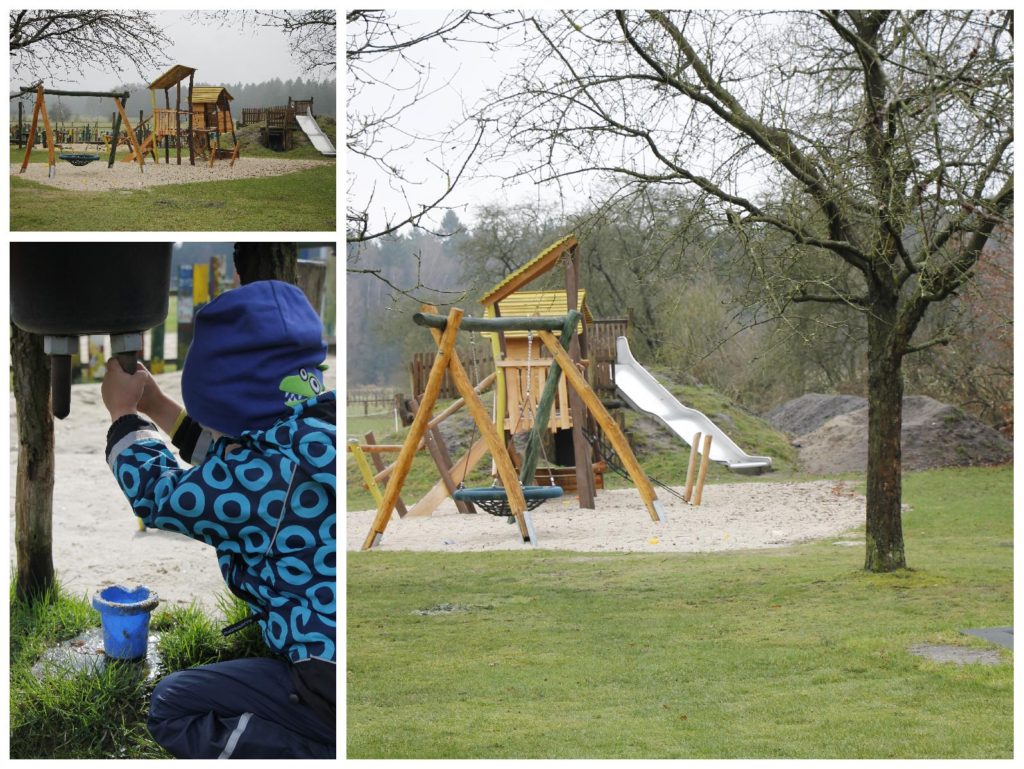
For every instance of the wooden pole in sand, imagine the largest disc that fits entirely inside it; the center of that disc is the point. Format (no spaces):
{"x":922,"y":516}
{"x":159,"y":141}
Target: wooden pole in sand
{"x":703,"y":471}
{"x":688,"y":491}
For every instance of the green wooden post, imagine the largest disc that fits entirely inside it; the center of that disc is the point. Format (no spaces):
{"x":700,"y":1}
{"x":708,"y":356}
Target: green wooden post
{"x":114,"y":138}
{"x":547,"y":398}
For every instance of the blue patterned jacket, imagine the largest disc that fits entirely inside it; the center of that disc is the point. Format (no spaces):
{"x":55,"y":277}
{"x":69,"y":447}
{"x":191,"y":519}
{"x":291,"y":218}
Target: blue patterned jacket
{"x":267,"y":505}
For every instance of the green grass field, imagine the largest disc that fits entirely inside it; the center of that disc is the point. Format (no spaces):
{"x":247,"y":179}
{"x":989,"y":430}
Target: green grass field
{"x":103,"y":715}
{"x":301,"y":201}
{"x":794,"y":653}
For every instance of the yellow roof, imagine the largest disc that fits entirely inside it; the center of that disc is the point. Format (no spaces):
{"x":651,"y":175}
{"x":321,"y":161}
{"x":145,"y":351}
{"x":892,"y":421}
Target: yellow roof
{"x":174,"y":75}
{"x":547,"y":304}
{"x":533,"y":269}
{"x":209,"y":94}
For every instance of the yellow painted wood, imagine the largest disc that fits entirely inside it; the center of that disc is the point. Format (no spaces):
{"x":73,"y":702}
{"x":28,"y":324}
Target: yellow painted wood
{"x":705,"y":457}
{"x":131,"y":134}
{"x":364,"y":469}
{"x":445,"y":351}
{"x":691,"y":468}
{"x":605,"y":421}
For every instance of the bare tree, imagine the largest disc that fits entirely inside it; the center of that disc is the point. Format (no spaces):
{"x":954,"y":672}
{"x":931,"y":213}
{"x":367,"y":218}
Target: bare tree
{"x":313,"y":35}
{"x":388,"y":75}
{"x":59,"y":42}
{"x":878,"y":144}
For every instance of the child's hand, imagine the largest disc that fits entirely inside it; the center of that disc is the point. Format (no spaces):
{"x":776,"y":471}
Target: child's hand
{"x":121,"y":392}
{"x":151,"y":394}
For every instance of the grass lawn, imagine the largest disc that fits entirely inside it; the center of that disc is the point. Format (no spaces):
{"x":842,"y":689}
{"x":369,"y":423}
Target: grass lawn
{"x":794,"y":652}
{"x":103,"y":716}
{"x":301,"y":201}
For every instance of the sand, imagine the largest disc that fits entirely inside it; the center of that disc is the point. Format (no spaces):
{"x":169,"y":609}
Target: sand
{"x":96,"y":540}
{"x":96,"y":177}
{"x":735,"y":516}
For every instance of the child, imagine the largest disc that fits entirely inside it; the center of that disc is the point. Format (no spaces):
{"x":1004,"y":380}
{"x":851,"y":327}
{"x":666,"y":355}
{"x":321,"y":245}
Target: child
{"x":260,"y":431}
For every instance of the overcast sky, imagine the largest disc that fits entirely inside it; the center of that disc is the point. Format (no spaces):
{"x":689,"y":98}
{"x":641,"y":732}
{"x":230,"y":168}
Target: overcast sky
{"x":227,"y":54}
{"x":460,"y":76}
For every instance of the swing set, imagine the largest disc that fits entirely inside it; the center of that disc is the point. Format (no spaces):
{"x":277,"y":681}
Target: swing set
{"x":511,"y":495}
{"x":74,"y":158}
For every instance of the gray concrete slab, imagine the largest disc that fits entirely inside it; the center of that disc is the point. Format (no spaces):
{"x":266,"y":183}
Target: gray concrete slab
{"x":997,"y":635}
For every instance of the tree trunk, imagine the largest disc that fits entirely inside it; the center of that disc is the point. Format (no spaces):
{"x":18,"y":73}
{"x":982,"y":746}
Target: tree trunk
{"x":885,"y":551}
{"x":267,"y":261}
{"x":33,"y":505}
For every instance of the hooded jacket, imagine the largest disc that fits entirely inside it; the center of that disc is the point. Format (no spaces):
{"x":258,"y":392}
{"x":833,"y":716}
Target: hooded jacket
{"x":265,"y":501}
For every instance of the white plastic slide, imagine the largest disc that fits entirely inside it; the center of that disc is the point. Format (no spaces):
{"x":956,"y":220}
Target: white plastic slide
{"x":643,"y":392}
{"x":316,"y":136}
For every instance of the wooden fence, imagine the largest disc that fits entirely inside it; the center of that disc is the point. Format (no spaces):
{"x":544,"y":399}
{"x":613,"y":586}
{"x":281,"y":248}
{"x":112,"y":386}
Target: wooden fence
{"x":369,"y":401}
{"x":601,"y":336}
{"x":419,"y":371}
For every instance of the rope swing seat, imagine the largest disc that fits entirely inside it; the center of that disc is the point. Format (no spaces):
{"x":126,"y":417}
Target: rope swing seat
{"x":78,"y":158}
{"x":494,"y":500}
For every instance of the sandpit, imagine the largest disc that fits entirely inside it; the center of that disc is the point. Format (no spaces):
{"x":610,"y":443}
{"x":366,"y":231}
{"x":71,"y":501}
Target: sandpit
{"x":96,"y":177}
{"x":96,"y":540}
{"x":734,"y":516}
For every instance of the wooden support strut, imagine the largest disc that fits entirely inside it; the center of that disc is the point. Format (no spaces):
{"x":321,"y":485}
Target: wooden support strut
{"x":703,"y":471}
{"x":443,"y":461}
{"x":32,"y":133}
{"x":445,"y":350}
{"x":691,"y":467}
{"x":131,"y":134}
{"x":607,"y":424}
{"x":378,"y":463}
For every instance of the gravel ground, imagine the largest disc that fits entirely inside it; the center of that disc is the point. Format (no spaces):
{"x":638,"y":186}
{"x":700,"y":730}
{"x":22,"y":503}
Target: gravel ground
{"x":96,"y":177}
{"x":734,"y":516}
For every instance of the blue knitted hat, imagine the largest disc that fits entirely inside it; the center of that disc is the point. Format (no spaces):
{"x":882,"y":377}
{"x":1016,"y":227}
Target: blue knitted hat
{"x":255,"y":350}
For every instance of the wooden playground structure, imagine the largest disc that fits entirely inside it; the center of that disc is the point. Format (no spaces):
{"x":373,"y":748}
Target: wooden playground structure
{"x":198,"y":128}
{"x":39,"y":110}
{"x":516,"y":495}
{"x":278,"y":123}
{"x":546,"y":389}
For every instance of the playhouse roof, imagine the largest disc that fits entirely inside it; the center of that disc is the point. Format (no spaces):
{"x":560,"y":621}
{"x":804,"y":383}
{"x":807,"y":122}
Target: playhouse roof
{"x":174,"y":75}
{"x":529,"y":272}
{"x":210,"y":94}
{"x":547,"y":304}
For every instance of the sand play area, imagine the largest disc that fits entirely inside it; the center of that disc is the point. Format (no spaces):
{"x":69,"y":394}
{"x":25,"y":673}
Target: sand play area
{"x":731,"y":517}
{"x":96,"y":540}
{"x":96,"y":177}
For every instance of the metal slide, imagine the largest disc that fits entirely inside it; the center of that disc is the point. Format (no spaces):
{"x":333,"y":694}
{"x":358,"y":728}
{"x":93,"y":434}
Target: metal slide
{"x":643,"y":392}
{"x":318,"y":137}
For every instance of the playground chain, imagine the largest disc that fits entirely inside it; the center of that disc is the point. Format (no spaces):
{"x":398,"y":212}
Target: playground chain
{"x":96,"y":177}
{"x":735,"y":516}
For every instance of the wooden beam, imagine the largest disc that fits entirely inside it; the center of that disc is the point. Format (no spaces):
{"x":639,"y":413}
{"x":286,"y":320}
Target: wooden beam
{"x":606,"y":423}
{"x":445,"y":350}
{"x":511,"y":323}
{"x":532,"y":270}
{"x":56,"y":92}
{"x":364,"y":469}
{"x":703,"y":471}
{"x":177,"y":120}
{"x":131,"y":134}
{"x":428,"y":503}
{"x":191,"y":137}
{"x":32,"y":133}
{"x":580,"y":447}
{"x":692,"y":466}
{"x":371,"y":440}
{"x":502,"y":461}
{"x":50,"y":150}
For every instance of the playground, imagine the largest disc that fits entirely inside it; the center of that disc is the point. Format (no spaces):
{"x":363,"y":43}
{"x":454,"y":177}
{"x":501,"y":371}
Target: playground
{"x":660,"y":571}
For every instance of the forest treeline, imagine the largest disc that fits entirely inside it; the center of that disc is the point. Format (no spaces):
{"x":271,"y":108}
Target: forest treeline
{"x":699,"y":303}
{"x":269,"y":93}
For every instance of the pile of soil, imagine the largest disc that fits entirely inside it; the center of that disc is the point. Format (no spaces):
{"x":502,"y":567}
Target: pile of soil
{"x":934,"y":434}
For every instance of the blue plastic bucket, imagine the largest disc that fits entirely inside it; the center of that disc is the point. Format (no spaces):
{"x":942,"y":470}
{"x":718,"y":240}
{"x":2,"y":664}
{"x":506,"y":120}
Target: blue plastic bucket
{"x":125,"y":614}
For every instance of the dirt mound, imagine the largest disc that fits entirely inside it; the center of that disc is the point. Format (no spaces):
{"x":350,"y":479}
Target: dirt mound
{"x":934,"y":435}
{"x":809,"y":412}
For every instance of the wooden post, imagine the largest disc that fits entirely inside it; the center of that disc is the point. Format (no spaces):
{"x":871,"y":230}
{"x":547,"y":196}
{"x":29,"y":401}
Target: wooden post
{"x":694,"y":450}
{"x":611,"y":429}
{"x":128,"y":130}
{"x":116,"y":129}
{"x":378,"y":464}
{"x":495,"y":444}
{"x":705,"y":456}
{"x":364,"y":469}
{"x":445,"y":350}
{"x":177,"y":120}
{"x":580,"y":446}
{"x":32,"y":134}
{"x":21,"y":123}
{"x":191,"y":137}
{"x":51,"y":158}
{"x":443,"y":460}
